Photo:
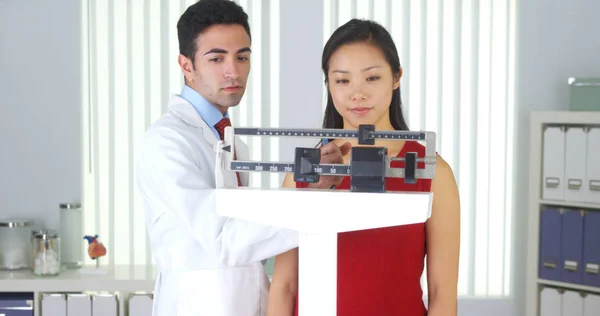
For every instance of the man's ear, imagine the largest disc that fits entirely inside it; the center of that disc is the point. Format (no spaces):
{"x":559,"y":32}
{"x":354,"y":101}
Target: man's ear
{"x":397,"y":79}
{"x":187,"y":67}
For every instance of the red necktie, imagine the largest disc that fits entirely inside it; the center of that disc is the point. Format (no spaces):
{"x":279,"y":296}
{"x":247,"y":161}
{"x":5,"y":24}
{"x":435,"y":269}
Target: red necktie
{"x":220,"y":126}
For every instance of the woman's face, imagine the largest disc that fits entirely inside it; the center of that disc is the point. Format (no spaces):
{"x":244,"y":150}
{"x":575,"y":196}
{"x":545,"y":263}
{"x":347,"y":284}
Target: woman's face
{"x":361,"y":85}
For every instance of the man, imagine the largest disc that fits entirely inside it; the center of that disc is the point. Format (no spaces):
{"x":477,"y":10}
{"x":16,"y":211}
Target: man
{"x":209,"y":264}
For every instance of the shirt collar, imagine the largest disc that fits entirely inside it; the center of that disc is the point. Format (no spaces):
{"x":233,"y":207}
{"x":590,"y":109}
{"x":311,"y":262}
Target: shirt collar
{"x":209,"y":113}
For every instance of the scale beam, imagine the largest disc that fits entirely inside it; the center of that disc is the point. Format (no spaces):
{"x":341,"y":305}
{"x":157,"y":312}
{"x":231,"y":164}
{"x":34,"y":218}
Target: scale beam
{"x":369,"y":165}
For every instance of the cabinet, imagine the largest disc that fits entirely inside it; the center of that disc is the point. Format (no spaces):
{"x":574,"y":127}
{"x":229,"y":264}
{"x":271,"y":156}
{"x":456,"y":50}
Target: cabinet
{"x":563,"y":264}
{"x":122,"y":291}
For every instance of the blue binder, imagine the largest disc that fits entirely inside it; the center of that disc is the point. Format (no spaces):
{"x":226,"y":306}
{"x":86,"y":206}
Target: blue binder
{"x":572,"y":246}
{"x":591,"y":249}
{"x":550,"y":243}
{"x":16,"y":304}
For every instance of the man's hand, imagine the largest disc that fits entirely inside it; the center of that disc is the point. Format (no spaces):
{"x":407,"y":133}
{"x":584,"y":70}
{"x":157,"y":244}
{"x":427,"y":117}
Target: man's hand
{"x":331,"y":154}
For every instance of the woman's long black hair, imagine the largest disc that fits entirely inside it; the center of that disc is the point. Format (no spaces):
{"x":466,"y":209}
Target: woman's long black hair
{"x":355,"y":31}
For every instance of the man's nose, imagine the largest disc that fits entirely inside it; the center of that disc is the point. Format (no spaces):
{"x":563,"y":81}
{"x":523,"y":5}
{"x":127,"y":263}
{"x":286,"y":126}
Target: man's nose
{"x":232,"y":69}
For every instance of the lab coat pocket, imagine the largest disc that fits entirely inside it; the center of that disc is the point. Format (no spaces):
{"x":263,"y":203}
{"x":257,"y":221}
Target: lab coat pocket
{"x":223,"y":292}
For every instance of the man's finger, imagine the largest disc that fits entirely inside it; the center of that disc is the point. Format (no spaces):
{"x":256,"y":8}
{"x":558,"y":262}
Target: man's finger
{"x":330,"y":149}
{"x":345,"y":148}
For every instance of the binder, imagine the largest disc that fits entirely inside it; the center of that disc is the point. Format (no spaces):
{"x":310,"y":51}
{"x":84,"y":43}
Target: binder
{"x":593,"y":165}
{"x":591,"y":305}
{"x":572,"y":246}
{"x":550,"y":244}
{"x":591,"y":249}
{"x":79,"y":304}
{"x":572,"y":304}
{"x":54,"y":304}
{"x":550,"y":302}
{"x":575,"y":164}
{"x":553,"y":163}
{"x":105,"y":305}
{"x":140,"y":304}
{"x":16,"y":304}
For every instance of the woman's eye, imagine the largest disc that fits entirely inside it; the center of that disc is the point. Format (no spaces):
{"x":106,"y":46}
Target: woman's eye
{"x":341,"y":81}
{"x":373,"y":78}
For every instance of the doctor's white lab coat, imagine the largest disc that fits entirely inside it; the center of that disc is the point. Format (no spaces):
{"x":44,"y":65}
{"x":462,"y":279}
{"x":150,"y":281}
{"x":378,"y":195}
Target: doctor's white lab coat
{"x":209,"y":265}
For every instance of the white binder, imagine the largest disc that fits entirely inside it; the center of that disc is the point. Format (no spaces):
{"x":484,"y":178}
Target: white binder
{"x":140,"y":305}
{"x":550,"y":302}
{"x":554,"y":163}
{"x":591,"y":305}
{"x":572,"y":304}
{"x":593,"y":165}
{"x":54,"y":305}
{"x":575,"y":164}
{"x":105,"y":305}
{"x":79,"y":304}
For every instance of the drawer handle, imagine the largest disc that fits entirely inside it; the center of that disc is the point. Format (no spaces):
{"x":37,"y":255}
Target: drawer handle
{"x":549,"y":265}
{"x":571,"y":265}
{"x":575,"y":184}
{"x":595,"y":185}
{"x":552,"y":182}
{"x":592,"y":268}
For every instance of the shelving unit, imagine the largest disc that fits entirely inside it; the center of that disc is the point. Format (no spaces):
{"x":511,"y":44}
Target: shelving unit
{"x":122,"y":280}
{"x":539,"y":121}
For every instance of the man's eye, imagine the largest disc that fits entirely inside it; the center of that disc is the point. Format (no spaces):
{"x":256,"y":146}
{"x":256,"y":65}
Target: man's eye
{"x":215,"y":59}
{"x":243,"y":58}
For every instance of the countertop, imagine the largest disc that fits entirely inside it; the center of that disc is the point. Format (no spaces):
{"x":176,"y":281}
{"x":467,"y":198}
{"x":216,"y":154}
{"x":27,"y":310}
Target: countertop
{"x":128,"y":278}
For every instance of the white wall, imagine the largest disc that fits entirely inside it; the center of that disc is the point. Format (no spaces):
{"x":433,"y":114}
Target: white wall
{"x":40,"y":128}
{"x":40,"y":107}
{"x":557,"y":39}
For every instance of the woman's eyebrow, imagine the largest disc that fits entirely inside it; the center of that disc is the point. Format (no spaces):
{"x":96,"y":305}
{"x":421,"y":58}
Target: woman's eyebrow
{"x":346,"y":71}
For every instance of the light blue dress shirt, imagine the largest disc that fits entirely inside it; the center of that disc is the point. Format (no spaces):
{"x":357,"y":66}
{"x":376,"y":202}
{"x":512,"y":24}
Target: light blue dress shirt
{"x":208,"y":112}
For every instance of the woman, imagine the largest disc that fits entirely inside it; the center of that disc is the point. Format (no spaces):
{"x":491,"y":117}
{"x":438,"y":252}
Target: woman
{"x":379,"y":270}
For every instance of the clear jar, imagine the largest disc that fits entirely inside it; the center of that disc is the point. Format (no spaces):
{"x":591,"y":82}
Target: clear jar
{"x":46,"y":252}
{"x":15,"y":248}
{"x":71,"y":235}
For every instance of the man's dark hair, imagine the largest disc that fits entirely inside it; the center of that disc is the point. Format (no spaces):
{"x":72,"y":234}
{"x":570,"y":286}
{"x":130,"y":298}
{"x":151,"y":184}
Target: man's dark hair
{"x":204,"y":14}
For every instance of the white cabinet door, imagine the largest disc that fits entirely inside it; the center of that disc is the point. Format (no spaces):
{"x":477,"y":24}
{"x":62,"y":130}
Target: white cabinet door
{"x":575,"y":164}
{"x":554,"y":163}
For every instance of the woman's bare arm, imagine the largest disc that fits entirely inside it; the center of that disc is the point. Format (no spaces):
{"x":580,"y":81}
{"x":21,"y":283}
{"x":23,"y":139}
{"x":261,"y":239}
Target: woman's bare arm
{"x":443,"y":243}
{"x":284,"y":286}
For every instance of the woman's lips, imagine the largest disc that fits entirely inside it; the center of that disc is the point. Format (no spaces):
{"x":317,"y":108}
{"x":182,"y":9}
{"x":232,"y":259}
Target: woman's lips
{"x":360,"y":110}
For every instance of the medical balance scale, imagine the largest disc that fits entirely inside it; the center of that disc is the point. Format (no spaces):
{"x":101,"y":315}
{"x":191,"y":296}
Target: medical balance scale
{"x":319,"y":215}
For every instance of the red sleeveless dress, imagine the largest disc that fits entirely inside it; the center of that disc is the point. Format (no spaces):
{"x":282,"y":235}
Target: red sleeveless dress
{"x":379,"y":270}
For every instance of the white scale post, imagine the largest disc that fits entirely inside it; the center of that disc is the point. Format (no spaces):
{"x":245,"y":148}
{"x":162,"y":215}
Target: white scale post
{"x":338,"y":211}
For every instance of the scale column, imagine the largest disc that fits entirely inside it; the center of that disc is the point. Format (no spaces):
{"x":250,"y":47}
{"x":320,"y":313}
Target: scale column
{"x":317,"y":278}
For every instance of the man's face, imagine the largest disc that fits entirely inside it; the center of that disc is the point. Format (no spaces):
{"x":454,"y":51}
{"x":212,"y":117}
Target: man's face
{"x":221,"y":65}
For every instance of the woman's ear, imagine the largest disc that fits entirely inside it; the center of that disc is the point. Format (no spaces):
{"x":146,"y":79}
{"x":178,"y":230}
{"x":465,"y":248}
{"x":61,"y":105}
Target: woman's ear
{"x":397,"y":77}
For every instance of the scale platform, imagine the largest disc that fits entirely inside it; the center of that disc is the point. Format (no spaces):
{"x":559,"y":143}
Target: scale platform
{"x":318,"y":215}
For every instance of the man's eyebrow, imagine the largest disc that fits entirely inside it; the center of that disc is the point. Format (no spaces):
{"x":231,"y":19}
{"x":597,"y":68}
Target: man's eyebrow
{"x":216,"y":51}
{"x":345,"y":71}
{"x":222,"y":51}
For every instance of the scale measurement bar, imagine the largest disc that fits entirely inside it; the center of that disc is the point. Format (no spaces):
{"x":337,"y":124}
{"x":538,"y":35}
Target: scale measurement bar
{"x":322,"y":169}
{"x":327,"y":133}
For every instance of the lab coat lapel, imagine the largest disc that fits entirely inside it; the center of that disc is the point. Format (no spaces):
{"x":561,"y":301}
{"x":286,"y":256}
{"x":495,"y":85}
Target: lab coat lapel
{"x":186,"y":111}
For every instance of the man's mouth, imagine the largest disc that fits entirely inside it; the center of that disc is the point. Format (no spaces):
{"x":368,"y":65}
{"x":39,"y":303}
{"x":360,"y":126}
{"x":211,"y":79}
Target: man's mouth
{"x":232,"y":89}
